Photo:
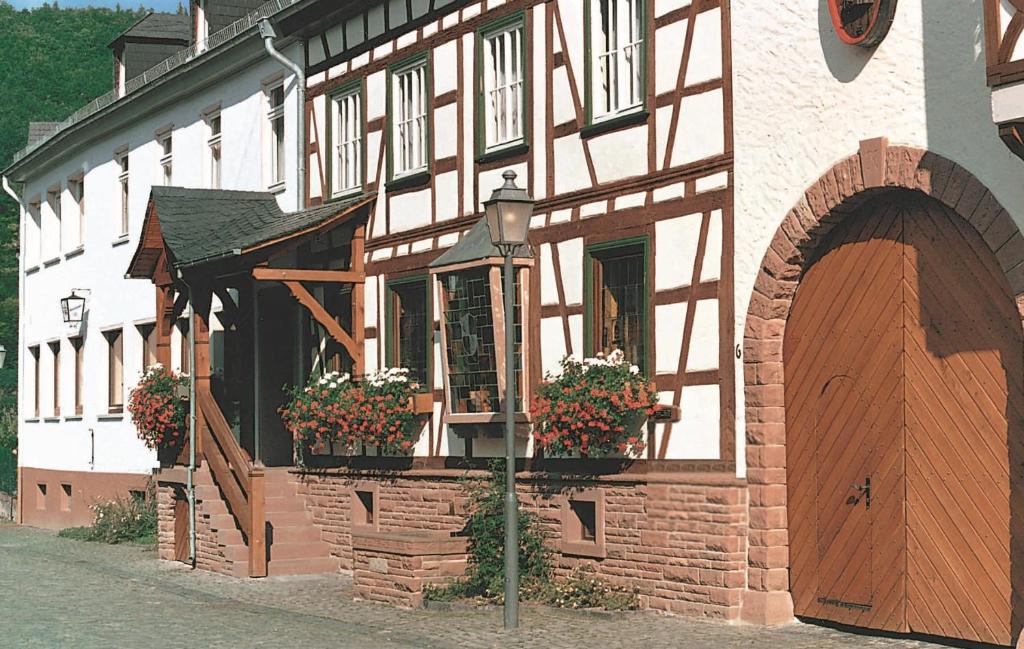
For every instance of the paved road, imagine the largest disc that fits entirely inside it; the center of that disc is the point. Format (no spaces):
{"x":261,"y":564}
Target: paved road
{"x":60,"y":593}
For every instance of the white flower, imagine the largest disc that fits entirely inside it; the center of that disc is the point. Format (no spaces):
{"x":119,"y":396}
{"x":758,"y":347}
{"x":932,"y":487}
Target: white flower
{"x":633,"y":369}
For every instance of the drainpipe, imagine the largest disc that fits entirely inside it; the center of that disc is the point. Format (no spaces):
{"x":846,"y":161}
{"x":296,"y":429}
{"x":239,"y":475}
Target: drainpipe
{"x":269,"y":33}
{"x":21,"y":302}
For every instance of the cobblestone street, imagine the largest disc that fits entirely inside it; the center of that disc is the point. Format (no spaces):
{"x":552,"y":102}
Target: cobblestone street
{"x":60,"y":593}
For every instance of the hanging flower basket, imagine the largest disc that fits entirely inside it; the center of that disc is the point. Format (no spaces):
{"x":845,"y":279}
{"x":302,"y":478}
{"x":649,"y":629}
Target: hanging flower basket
{"x":378,"y":411}
{"x":594,"y":408}
{"x":160,"y":412}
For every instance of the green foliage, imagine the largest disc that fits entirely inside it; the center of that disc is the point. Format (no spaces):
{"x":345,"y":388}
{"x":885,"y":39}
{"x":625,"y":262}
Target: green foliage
{"x":54,"y":61}
{"x":123,"y":520}
{"x":8,"y":449}
{"x":485,"y":577}
{"x":583,"y":589}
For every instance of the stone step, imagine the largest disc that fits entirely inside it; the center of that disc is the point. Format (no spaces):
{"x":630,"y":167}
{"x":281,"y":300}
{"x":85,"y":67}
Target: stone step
{"x":288,"y":518}
{"x":230,"y":537}
{"x":220,"y":522}
{"x":283,"y":504}
{"x":302,"y":566}
{"x":296,"y":534}
{"x":307,"y":550}
{"x":235,"y":552}
{"x":213,"y":507}
{"x":280,"y":490}
{"x":207,"y":492}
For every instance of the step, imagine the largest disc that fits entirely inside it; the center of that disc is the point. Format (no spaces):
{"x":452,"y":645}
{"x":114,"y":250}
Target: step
{"x":289,"y":518}
{"x":302,"y":566}
{"x":283,"y":504}
{"x":280,"y":490}
{"x":235,"y":552}
{"x":230,"y":537}
{"x":207,"y":492}
{"x":213,"y":507}
{"x":222,"y":522}
{"x":296,"y":534}
{"x":306,"y":550}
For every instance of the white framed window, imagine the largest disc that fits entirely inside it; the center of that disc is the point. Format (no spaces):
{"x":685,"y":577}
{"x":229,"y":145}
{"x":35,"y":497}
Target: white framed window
{"x":76,"y":228}
{"x":34,"y":234}
{"x":122,"y":179}
{"x":409,"y":119}
{"x":347,"y":141}
{"x":617,"y":66}
{"x":213,"y":150}
{"x":502,"y":85}
{"x":166,"y":157}
{"x":52,"y":229}
{"x":274,"y":141}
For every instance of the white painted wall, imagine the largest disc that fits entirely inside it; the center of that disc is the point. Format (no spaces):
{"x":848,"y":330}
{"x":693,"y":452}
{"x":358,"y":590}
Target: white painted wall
{"x":99,"y":443}
{"x":803,"y":101}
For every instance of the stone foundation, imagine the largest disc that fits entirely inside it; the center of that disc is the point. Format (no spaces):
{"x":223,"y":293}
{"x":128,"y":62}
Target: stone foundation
{"x":679,"y":539}
{"x":393,"y":567}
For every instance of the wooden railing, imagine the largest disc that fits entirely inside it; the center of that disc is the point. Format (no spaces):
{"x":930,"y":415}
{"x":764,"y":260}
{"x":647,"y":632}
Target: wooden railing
{"x":239,"y":481}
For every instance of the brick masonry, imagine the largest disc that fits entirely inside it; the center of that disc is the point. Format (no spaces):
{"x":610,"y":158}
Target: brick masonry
{"x":875,"y":169}
{"x":394,"y":567}
{"x":679,"y":540}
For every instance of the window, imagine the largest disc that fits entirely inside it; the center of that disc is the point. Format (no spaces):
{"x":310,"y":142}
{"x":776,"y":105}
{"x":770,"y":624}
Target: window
{"x":79,"y":349}
{"x":34,"y":238}
{"x":148,"y":334}
{"x":275,"y":143}
{"x":55,"y":355}
{"x":213,"y":150}
{"x":616,"y":40}
{"x":166,"y":157}
{"x":473,"y":363}
{"x":617,"y":299}
{"x":33,"y":353}
{"x":115,"y":371}
{"x":409,"y":119}
{"x":347,"y":140}
{"x":122,"y":161}
{"x":583,"y":523}
{"x":502,"y":85}
{"x":409,"y":328}
{"x":76,"y":185}
{"x":52,"y":232}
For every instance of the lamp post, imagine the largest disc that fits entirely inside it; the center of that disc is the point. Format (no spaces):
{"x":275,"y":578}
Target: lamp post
{"x":508,"y":215}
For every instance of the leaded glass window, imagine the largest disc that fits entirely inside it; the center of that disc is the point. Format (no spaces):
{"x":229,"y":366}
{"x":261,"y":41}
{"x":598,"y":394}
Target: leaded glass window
{"x":469,"y":320}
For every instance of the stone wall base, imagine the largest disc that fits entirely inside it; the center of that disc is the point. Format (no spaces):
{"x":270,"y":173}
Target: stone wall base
{"x":767,"y":608}
{"x":393,"y":567}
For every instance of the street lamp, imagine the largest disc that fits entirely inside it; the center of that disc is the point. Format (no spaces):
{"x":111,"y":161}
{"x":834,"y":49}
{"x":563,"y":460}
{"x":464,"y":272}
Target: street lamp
{"x":508,"y":215}
{"x":72,"y":307}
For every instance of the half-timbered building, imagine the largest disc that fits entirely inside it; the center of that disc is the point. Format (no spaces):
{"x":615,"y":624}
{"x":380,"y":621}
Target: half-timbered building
{"x":800,"y":219}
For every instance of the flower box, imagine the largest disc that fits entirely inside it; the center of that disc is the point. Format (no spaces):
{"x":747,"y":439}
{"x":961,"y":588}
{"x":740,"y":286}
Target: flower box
{"x":422,"y":403}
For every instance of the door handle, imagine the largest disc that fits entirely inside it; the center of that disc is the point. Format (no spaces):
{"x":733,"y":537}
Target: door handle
{"x":865,"y":490}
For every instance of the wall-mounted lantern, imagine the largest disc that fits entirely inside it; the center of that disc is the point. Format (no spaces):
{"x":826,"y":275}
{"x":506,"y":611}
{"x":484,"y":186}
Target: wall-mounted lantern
{"x":72,"y":308}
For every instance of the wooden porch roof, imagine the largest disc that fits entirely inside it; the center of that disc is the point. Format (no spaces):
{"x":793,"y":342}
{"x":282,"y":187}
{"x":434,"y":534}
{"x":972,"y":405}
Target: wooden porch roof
{"x":193,"y":227}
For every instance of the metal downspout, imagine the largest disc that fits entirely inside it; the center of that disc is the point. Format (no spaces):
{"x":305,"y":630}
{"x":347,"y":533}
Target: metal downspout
{"x":269,"y":33}
{"x":21,"y":321}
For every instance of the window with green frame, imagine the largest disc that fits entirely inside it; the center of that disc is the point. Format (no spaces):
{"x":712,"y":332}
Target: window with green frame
{"x":409,"y":327}
{"x":501,"y":64}
{"x":346,"y":134}
{"x":409,"y":120}
{"x":616,"y":299}
{"x":616,"y":68}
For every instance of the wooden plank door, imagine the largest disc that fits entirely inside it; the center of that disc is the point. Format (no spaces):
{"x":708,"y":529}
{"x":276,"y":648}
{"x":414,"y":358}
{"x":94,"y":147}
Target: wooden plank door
{"x":842,"y":359}
{"x":181,"y":528}
{"x":963,"y":361}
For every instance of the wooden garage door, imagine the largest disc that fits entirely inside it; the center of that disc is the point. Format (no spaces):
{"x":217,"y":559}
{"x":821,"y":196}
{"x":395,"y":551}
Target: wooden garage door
{"x":903,"y":363}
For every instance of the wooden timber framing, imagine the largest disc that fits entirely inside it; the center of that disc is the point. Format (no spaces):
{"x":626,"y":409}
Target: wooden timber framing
{"x":704,"y":184}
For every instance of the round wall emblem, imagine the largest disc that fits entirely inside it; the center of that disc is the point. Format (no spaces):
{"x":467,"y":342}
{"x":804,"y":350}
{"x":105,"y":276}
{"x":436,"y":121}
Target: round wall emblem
{"x":862,"y":22}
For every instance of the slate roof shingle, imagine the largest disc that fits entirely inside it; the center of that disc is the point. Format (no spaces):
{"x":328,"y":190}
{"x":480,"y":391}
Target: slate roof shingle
{"x":200,"y":225}
{"x":159,"y":25}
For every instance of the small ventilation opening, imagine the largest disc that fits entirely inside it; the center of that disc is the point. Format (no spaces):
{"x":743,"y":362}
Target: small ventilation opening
{"x":367,"y":505}
{"x":65,"y":497}
{"x":41,"y":496}
{"x":586,"y":512}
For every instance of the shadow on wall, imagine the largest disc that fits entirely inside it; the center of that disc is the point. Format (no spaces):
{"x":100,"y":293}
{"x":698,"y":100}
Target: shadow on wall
{"x":844,"y":62}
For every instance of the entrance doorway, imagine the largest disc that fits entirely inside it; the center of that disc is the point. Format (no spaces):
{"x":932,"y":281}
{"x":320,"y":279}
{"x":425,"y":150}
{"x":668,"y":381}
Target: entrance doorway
{"x":278,"y":367}
{"x":903,"y":385}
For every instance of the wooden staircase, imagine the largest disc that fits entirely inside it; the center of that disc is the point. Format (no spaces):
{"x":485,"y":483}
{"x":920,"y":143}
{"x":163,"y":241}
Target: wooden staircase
{"x":256,"y":516}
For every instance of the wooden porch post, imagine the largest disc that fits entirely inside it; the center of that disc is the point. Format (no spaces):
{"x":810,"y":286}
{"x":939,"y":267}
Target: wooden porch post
{"x":200,"y":298}
{"x":164,"y":323}
{"x":359,"y":302}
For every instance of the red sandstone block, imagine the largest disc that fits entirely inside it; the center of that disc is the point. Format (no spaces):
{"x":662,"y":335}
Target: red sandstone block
{"x":765,"y":395}
{"x":768,"y":557}
{"x":765,"y":415}
{"x":761,"y":434}
{"x":684,"y":574}
{"x":757,"y":475}
{"x":768,"y":495}
{"x":769,"y":518}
